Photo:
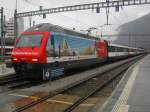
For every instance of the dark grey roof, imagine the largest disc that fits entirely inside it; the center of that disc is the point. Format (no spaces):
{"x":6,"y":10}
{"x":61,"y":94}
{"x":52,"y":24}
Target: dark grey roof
{"x":55,"y":28}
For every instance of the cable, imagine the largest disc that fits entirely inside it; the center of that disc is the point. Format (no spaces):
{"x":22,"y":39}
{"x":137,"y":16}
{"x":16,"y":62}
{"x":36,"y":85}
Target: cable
{"x":75,"y":20}
{"x":12,"y":10}
{"x":115,"y":18}
{"x":31,"y":3}
{"x":125,"y":14}
{"x":58,"y":13}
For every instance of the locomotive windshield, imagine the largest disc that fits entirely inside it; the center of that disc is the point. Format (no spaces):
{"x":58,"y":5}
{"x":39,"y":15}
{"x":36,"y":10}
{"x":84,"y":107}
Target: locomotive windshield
{"x":33,"y":40}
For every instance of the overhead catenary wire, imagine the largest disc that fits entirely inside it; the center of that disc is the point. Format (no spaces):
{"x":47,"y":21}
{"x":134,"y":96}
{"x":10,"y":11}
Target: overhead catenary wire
{"x":126,"y":16}
{"x":32,"y":3}
{"x":76,"y":20}
{"x":116,"y":18}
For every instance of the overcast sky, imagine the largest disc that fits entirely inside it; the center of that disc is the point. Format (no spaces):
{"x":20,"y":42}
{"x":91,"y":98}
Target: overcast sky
{"x":81,"y":20}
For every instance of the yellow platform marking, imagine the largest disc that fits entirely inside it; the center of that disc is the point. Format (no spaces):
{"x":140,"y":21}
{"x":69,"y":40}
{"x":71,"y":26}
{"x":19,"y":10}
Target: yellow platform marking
{"x":52,"y":100}
{"x":69,"y":103}
{"x":25,"y":96}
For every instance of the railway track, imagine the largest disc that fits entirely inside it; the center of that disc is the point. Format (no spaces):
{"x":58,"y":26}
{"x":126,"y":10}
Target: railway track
{"x":12,"y":82}
{"x":19,"y":84}
{"x":9,"y":80}
{"x":97,"y":85}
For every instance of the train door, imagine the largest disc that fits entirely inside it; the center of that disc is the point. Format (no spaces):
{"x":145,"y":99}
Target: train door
{"x":50,"y":47}
{"x":53,"y":52}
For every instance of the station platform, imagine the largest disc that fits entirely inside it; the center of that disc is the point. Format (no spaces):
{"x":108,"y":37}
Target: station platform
{"x":132,"y":93}
{"x":4,"y":71}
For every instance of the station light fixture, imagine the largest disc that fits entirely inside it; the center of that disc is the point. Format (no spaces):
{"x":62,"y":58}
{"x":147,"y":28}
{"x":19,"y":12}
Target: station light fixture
{"x":15,"y":59}
{"x":35,"y":60}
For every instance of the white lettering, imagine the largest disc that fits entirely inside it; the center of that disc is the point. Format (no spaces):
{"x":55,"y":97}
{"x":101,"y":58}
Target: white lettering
{"x":24,"y":53}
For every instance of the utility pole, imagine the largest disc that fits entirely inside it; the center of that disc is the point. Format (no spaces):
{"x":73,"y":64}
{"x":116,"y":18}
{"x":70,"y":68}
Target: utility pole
{"x":15,"y":23}
{"x":15,"y":26}
{"x":107,"y":12}
{"x":129,"y":39}
{"x":2,"y":33}
{"x":30,"y":21}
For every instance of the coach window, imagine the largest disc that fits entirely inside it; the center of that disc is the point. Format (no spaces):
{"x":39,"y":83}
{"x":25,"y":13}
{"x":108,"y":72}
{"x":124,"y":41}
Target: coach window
{"x":113,"y":49}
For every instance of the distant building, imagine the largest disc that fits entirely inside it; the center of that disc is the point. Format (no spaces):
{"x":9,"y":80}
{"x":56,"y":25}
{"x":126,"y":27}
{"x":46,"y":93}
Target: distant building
{"x":10,"y":27}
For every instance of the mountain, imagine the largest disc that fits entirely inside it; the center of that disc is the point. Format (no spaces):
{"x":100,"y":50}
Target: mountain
{"x":135,"y":33}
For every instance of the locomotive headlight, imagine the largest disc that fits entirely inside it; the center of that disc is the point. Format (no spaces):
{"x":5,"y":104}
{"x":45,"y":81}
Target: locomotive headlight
{"x":15,"y":59}
{"x":35,"y":60}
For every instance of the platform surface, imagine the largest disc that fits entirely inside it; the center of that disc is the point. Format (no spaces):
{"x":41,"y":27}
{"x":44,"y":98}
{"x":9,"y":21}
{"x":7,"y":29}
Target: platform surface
{"x":133,"y":93}
{"x":4,"y":71}
{"x":139,"y":98}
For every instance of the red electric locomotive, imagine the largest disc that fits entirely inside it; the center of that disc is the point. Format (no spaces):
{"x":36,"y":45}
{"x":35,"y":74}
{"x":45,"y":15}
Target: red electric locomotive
{"x":45,"y":51}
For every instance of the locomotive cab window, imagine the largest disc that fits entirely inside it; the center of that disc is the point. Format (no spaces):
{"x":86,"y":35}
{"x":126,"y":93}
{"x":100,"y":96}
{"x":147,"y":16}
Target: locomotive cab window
{"x":33,"y":40}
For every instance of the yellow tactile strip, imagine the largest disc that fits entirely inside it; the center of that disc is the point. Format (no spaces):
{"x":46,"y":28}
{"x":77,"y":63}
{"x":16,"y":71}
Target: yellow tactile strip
{"x":121,"y":104}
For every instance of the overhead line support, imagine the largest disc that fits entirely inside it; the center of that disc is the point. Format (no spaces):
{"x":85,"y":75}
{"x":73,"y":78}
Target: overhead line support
{"x":84,"y":7}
